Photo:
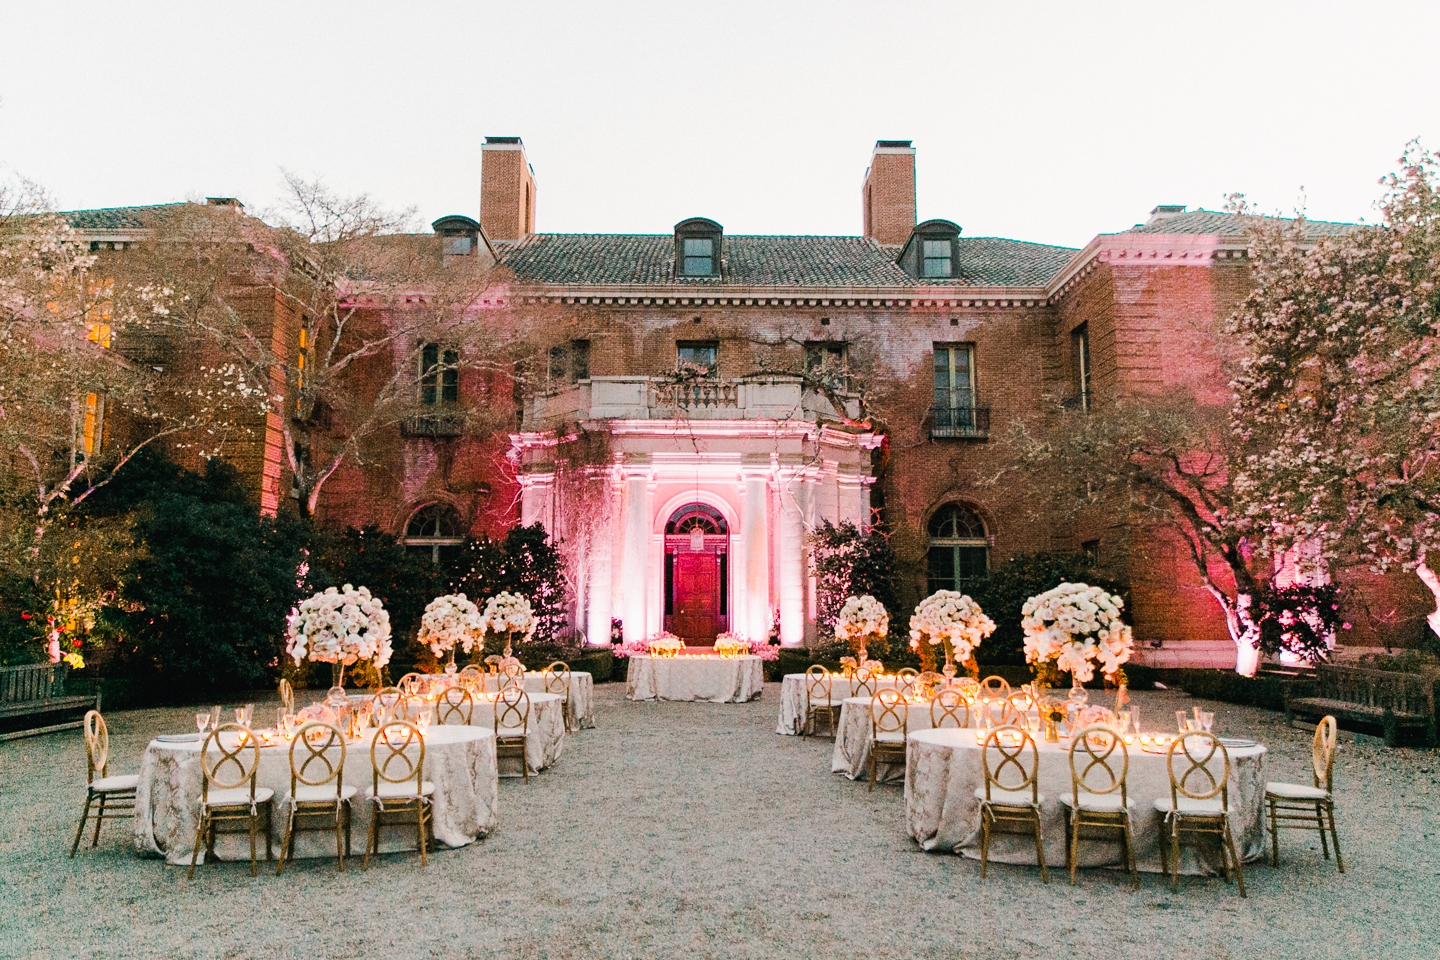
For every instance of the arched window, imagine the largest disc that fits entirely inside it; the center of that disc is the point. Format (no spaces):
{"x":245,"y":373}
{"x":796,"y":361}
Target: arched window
{"x":435,"y":531}
{"x":697,"y":516}
{"x":959,"y":548}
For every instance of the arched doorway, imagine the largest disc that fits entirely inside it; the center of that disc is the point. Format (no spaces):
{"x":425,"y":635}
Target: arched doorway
{"x":697,"y":573}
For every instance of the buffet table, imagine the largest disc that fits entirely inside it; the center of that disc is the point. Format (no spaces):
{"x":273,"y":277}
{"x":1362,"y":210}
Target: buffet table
{"x":943,"y":770}
{"x":792,"y":698}
{"x":459,"y":761}
{"x":711,"y":678}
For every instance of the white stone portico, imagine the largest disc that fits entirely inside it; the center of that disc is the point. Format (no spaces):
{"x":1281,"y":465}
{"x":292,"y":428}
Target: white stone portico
{"x":745,"y":467}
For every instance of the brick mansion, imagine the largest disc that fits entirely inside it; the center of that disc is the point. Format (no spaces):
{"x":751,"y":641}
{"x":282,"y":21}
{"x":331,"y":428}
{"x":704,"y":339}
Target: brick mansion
{"x":673,"y":434}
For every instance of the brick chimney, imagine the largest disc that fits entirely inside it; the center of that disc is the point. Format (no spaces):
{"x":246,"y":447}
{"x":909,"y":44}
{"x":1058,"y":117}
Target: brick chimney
{"x":889,"y":192}
{"x":507,"y":190}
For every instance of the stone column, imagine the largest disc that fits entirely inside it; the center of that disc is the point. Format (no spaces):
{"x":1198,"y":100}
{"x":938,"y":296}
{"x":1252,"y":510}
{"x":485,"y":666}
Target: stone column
{"x":793,"y":492}
{"x":600,"y":555}
{"x":537,"y":487}
{"x":755,"y":577}
{"x":635,"y":555}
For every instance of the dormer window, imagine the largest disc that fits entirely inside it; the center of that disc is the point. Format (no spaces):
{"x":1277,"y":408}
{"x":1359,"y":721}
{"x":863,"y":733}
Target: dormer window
{"x":459,"y":236}
{"x":698,"y":248}
{"x":932,"y":251}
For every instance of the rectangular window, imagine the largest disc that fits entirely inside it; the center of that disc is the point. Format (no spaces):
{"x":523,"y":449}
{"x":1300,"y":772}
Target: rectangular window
{"x":570,"y":362}
{"x":955,"y":567}
{"x":1080,"y":350}
{"x":301,"y":356}
{"x":1090,"y":550}
{"x":439,"y":375}
{"x":936,"y":259}
{"x":697,"y":355}
{"x":822,"y":355}
{"x":94,"y":427}
{"x":954,"y":376}
{"x":459,"y":246}
{"x":699,"y":256}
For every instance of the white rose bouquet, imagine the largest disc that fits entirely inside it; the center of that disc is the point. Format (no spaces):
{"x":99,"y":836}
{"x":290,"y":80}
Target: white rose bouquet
{"x":450,"y":621}
{"x":664,"y":644}
{"x":729,"y":645}
{"x":1074,"y":627}
{"x":950,"y":619}
{"x":339,"y":627}
{"x":509,"y":613}
{"x":862,"y":621}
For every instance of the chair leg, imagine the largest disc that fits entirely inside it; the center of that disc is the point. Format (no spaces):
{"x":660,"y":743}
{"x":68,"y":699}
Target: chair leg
{"x":199,"y":837}
{"x":1072,"y":848}
{"x":269,"y":829}
{"x":1174,"y":854}
{"x":339,"y":844}
{"x":872,"y":768}
{"x":372,"y":843}
{"x":420,"y":824}
{"x":984,"y":841}
{"x":1239,"y":868}
{"x":99,"y":819}
{"x":254,"y":870}
{"x":1040,"y":851}
{"x":1320,"y":827}
{"x":1130,"y":854}
{"x":1274,"y":836}
{"x":80,"y":830}
{"x":1334,"y":837}
{"x":287,"y":845}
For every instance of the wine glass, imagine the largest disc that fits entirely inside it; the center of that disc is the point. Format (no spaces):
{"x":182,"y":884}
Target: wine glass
{"x":216,"y":717}
{"x":202,"y":721}
{"x":243,"y":714}
{"x":1207,"y":720}
{"x":1180,"y":717}
{"x":422,"y":719}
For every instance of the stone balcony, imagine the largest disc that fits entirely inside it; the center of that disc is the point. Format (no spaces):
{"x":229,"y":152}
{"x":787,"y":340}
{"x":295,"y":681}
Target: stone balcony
{"x":761,"y":397}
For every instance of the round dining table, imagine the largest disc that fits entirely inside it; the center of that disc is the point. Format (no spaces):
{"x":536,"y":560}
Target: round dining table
{"x":710,"y":678}
{"x":459,"y":761}
{"x":794,"y":698}
{"x":545,"y":734}
{"x":943,"y":770}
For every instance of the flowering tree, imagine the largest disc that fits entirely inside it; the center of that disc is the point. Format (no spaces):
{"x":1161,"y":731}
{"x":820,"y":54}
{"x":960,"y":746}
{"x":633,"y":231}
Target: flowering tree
{"x":1338,"y":398}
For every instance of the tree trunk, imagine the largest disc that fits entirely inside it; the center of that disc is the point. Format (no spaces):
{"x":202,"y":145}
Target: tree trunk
{"x":1431,"y":580}
{"x":1243,"y":630}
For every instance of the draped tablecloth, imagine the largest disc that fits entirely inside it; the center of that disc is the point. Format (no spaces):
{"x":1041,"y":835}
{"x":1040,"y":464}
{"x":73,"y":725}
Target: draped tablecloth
{"x":943,"y":770}
{"x":792,"y":698}
{"x":715,"y":679}
{"x":852,"y":740}
{"x":545,"y":739}
{"x":459,"y":761}
{"x":582,"y":696}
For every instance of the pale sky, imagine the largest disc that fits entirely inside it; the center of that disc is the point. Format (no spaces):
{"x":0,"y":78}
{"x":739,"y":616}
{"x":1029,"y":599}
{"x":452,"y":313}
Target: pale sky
{"x":1049,"y":122}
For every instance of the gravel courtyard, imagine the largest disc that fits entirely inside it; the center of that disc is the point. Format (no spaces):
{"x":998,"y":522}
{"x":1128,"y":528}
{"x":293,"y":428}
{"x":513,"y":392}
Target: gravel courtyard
{"x":692,"y":829}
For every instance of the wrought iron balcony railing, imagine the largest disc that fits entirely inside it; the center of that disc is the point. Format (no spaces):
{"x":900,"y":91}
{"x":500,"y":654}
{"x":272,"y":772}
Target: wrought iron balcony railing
{"x":961,"y":422}
{"x":433,"y":425}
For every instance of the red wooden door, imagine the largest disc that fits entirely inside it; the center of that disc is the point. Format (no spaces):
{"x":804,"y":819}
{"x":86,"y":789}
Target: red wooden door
{"x":697,"y":596}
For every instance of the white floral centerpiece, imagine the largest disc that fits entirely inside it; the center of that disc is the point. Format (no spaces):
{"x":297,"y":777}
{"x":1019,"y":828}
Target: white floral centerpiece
{"x":339,"y":627}
{"x":664,"y":644}
{"x":949,"y":619}
{"x":731,"y":646}
{"x":451,"y":621}
{"x":860,"y":622}
{"x":509,"y":613}
{"x":1074,"y":627}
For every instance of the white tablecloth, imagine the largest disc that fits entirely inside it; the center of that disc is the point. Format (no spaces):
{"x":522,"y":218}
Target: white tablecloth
{"x":695,"y":678}
{"x":545,"y":740}
{"x":460,"y":761}
{"x":582,"y":695}
{"x":792,"y":699}
{"x":943,"y":770}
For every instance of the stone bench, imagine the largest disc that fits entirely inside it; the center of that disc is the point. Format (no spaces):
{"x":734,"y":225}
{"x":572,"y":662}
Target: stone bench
{"x":38,"y":690}
{"x":1394,"y":701}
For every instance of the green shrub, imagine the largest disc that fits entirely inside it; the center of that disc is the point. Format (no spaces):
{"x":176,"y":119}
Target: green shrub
{"x":849,"y":563}
{"x":600,"y":665}
{"x":525,"y":562}
{"x":1228,"y":686}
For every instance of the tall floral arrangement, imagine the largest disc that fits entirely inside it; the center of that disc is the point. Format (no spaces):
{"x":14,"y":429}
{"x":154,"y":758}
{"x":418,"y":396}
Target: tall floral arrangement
{"x":950,"y":619}
{"x":340,"y":627}
{"x":1074,"y":627}
{"x":862,"y":622}
{"x":509,"y":613}
{"x":451,"y":621}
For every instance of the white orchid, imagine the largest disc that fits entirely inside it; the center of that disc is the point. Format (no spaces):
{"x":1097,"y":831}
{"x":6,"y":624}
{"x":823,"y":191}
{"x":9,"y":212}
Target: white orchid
{"x":340,"y":626}
{"x":1076,"y":626}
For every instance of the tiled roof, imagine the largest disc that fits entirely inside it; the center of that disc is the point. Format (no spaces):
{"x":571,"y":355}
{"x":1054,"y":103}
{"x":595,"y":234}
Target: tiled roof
{"x":115,"y":218}
{"x":644,"y":259}
{"x":1225,"y":225}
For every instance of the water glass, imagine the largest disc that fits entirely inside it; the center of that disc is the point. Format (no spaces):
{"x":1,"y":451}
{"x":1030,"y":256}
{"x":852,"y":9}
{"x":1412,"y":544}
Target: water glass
{"x":1123,"y":722}
{"x":422,"y":719}
{"x":1180,"y":717}
{"x":243,"y":714}
{"x":216,"y":717}
{"x":202,"y":720}
{"x":1206,"y":719}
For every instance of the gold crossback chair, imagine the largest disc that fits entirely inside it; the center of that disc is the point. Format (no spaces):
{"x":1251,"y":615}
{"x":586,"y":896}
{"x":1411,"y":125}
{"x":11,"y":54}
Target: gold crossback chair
{"x":454,"y":707}
{"x":949,"y":709}
{"x":412,"y":683}
{"x":398,"y":787}
{"x":889,"y":726}
{"x":1099,"y":797}
{"x":929,"y":681}
{"x":512,"y":726}
{"x":995,"y":687}
{"x":1024,"y":710}
{"x":229,"y":793}
{"x":906,"y":680}
{"x":471,"y":677}
{"x":319,"y":798}
{"x":1000,"y":710}
{"x":287,"y":695}
{"x":512,"y":671}
{"x":1294,"y":806}
{"x":863,"y":684}
{"x":115,"y":795}
{"x":556,"y":679}
{"x":383,"y":703}
{"x":1011,"y":795}
{"x":1199,"y":803}
{"x":819,"y":702}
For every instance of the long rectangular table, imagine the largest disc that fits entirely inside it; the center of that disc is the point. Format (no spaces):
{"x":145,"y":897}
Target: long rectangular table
{"x":715,"y":679}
